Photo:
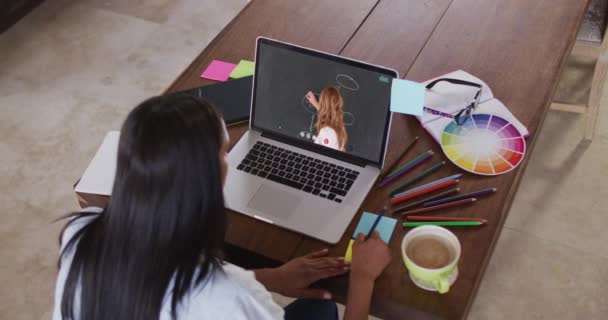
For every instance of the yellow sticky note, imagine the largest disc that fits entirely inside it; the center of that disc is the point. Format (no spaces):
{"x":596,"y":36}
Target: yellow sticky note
{"x":243,"y":69}
{"x":348,"y":256}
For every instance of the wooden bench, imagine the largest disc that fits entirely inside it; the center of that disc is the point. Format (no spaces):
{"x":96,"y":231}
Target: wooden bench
{"x":592,"y":42}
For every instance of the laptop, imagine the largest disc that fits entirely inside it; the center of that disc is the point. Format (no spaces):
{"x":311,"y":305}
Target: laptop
{"x":316,"y":142}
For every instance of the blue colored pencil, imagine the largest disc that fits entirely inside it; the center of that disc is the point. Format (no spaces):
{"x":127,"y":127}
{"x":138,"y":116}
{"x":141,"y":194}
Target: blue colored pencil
{"x":371,"y":230}
{"x":460,"y":197}
{"x":456,"y":176}
{"x":417,"y":178}
{"x":407,"y":169}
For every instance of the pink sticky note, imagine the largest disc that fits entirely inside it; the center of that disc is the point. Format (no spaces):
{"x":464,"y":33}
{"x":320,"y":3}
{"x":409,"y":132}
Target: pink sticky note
{"x":218,"y":70}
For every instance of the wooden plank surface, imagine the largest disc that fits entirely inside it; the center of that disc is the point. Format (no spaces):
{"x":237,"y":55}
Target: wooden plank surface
{"x":324,"y":25}
{"x":518,"y":47}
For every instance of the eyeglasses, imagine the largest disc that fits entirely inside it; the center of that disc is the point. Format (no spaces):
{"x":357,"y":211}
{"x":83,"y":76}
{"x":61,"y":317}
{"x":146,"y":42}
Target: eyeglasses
{"x":461,"y":117}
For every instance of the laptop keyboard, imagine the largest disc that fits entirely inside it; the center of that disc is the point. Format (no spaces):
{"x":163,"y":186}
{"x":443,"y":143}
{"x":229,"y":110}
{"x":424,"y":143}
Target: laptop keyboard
{"x":320,"y":178}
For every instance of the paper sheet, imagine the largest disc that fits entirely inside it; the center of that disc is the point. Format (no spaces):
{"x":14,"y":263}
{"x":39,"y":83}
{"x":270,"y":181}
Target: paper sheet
{"x":385,"y":226}
{"x":98,"y":178}
{"x":243,"y":69}
{"x":407,"y":97}
{"x":218,"y":70}
{"x":451,"y":98}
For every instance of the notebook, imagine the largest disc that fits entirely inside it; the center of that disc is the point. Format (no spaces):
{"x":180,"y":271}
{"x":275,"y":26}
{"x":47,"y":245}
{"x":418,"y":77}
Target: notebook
{"x":98,"y":178}
{"x":232,"y":98}
{"x":451,"y":98}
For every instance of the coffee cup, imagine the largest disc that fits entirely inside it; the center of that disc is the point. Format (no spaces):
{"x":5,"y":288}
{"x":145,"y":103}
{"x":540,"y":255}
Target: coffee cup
{"x":431,"y":255}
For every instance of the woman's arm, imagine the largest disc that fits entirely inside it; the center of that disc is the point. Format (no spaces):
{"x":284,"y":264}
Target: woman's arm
{"x":313,"y":100}
{"x":370,"y":258}
{"x":359,"y":298}
{"x":294,"y":277}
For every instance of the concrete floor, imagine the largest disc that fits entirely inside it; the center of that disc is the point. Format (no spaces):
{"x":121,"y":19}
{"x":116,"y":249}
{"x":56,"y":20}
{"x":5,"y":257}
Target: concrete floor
{"x":71,"y":70}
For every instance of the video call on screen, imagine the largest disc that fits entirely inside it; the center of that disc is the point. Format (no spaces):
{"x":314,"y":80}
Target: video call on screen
{"x":320,"y":101}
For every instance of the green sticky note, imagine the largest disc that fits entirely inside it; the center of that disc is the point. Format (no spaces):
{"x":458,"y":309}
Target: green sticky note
{"x":348,"y":256}
{"x":385,"y":226}
{"x":243,"y":69}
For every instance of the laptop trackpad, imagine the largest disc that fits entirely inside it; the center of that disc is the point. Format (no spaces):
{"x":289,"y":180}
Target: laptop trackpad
{"x":274,"y":201}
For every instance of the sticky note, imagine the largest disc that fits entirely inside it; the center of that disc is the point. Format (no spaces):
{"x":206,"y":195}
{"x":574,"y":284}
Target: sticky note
{"x":348,"y":257}
{"x":243,"y":69}
{"x":407,"y":97}
{"x":385,"y":226}
{"x":218,"y":70}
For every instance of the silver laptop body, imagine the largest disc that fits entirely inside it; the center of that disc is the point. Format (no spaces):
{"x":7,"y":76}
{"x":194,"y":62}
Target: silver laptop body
{"x":265,"y":163}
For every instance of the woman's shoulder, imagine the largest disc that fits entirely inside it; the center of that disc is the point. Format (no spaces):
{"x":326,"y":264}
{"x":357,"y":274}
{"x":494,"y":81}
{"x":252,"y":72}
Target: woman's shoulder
{"x":235,"y":289}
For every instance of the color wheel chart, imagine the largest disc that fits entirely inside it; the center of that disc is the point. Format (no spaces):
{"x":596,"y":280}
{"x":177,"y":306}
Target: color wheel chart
{"x":485,"y":144}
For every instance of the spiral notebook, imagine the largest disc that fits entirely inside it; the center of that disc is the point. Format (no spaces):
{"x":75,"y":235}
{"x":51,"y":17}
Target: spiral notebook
{"x":451,"y":98}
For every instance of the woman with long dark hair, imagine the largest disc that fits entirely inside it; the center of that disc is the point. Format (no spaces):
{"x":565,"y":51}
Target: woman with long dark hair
{"x":154,"y":252}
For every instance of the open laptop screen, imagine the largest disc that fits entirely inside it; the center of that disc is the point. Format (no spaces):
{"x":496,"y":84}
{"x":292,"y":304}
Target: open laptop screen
{"x":320,"y":99}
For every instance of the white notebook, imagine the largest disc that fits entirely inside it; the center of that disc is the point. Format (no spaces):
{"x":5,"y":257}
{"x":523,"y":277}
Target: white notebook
{"x":98,"y":178}
{"x":451,"y":98}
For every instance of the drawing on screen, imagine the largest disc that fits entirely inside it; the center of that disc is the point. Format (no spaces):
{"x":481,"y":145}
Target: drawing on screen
{"x":347,"y":82}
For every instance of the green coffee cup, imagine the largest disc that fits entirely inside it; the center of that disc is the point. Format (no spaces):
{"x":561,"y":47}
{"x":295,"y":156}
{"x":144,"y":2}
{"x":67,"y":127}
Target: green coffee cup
{"x":431,"y":238}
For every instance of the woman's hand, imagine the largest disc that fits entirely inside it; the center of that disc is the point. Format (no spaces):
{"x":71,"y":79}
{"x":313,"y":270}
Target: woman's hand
{"x":313,"y":100}
{"x":294,"y":277}
{"x":370,"y":257}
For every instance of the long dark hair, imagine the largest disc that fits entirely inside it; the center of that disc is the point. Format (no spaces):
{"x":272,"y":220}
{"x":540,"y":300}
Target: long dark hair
{"x":165,"y":220}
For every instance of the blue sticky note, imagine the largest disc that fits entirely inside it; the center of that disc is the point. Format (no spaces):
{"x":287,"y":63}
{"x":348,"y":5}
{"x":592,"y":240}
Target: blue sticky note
{"x":407,"y":97}
{"x":385,"y":226}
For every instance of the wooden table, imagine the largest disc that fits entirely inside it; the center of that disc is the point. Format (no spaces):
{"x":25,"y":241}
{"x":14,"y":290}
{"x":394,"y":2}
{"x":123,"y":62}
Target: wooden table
{"x":517,"y":46}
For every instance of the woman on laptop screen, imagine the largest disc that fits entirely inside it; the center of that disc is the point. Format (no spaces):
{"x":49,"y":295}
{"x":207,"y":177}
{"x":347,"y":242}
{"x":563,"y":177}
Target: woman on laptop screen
{"x":155,"y":251}
{"x":330,"y":118}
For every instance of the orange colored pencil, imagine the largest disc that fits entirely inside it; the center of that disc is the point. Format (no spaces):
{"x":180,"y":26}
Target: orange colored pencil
{"x":440,"y":206}
{"x":424,"y":191}
{"x":428,"y":218}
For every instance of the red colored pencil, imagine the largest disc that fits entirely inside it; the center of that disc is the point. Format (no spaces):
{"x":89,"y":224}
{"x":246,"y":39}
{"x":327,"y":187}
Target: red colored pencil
{"x":424,"y":191}
{"x":440,"y":206}
{"x":427,"y":218}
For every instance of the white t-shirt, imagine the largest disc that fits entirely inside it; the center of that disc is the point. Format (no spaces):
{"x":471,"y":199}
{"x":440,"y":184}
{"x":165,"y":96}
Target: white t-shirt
{"x":232,"y":294}
{"x":327,"y":137}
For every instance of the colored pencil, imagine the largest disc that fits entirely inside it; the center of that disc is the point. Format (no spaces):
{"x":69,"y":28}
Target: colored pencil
{"x":427,"y":218}
{"x":394,"y":172}
{"x":371,"y":230}
{"x":444,"y":223}
{"x":460,"y":197}
{"x":452,"y":177}
{"x":424,"y":191}
{"x":408,"y":148}
{"x":407,"y":169}
{"x":441,"y":206}
{"x":418,"y":177}
{"x":431,"y":198}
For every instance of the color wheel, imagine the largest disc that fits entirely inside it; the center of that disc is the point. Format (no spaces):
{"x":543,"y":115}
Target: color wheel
{"x":485,"y":144}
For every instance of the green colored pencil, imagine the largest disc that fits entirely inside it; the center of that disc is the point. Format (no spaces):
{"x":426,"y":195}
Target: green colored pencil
{"x":444,"y":223}
{"x":396,"y":171}
{"x":418,"y":177}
